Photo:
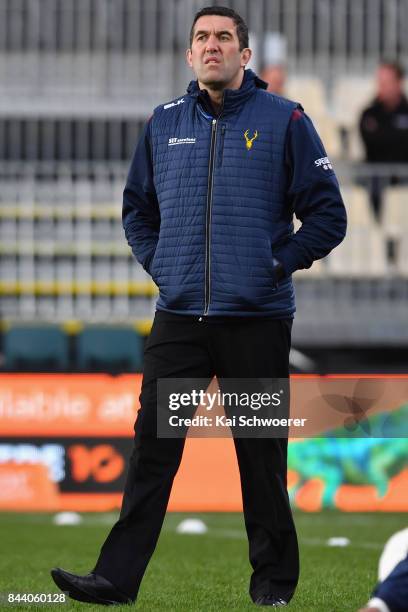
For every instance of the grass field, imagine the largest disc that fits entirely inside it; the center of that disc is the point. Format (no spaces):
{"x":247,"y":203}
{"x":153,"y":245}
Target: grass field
{"x":200,"y":572}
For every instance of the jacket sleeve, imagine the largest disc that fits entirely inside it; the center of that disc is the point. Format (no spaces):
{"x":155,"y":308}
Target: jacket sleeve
{"x":313,"y":194}
{"x":140,"y":212}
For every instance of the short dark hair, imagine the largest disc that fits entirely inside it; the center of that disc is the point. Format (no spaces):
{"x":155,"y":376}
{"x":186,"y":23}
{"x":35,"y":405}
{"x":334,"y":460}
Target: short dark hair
{"x":396,"y":67}
{"x":223,"y":11}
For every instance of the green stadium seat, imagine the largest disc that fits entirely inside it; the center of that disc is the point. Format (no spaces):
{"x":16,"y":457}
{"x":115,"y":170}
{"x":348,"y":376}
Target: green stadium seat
{"x":109,"y":348}
{"x":36,"y":347}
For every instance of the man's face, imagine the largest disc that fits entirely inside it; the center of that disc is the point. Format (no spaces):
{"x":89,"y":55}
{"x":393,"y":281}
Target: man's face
{"x":389,"y":86}
{"x":214,"y":55}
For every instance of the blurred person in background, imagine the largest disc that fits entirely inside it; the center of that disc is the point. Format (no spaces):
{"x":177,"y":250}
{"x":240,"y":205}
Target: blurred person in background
{"x":384,"y":126}
{"x":391,"y":593}
{"x":275,"y":76}
{"x":208,"y":206}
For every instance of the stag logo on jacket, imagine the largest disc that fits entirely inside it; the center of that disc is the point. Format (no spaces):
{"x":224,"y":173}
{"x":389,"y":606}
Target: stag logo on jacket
{"x":324,"y":162}
{"x":249,"y":141}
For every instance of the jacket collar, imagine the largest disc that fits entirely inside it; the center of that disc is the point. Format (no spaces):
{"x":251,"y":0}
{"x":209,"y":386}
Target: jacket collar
{"x":233,"y":98}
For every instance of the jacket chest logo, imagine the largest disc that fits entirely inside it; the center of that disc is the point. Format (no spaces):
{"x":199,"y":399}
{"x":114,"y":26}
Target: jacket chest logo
{"x":249,"y":141}
{"x":181,"y":141}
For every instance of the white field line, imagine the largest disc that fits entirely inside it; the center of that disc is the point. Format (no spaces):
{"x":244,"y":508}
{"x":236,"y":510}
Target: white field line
{"x":233,"y":534}
{"x":241,"y":535}
{"x":109,"y":519}
{"x":321,"y":542}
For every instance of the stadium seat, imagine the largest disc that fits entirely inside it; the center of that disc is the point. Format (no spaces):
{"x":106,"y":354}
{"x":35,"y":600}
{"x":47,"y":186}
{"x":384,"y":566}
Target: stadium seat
{"x":358,"y":206}
{"x":309,"y":91}
{"x":361,"y":254}
{"x":36,"y":347}
{"x":317,"y":270}
{"x":355,"y":146}
{"x":64,"y":230}
{"x":8,"y":222}
{"x":402,"y":256}
{"x":395,"y":211}
{"x":329,"y":131}
{"x":350,"y":95}
{"x":109,"y":348}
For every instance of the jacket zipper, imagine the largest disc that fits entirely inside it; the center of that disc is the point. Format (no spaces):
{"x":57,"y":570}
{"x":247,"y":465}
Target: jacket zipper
{"x":208,"y":216}
{"x":221,"y":153}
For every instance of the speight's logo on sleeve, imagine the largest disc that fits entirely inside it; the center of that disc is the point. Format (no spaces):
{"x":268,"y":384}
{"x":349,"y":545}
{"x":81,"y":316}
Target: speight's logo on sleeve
{"x":324,"y":162}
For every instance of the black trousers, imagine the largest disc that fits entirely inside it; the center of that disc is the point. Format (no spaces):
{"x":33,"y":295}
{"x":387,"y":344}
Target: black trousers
{"x":184,"y":347}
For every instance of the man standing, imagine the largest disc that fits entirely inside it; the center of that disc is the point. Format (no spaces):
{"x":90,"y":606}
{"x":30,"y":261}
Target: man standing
{"x":208,"y":207}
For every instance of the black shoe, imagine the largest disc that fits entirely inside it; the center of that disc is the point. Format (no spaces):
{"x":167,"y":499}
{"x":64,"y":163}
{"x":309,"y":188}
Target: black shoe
{"x":90,"y":589}
{"x":270,"y":600}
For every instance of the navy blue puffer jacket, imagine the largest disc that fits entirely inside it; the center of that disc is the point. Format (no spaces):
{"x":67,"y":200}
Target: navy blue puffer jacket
{"x":209,"y":202}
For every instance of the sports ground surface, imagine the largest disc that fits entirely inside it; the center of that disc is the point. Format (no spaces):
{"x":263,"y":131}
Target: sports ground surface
{"x":200,"y":572}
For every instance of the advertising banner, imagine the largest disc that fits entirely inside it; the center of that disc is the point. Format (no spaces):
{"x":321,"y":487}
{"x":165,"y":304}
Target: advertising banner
{"x":65,"y":441}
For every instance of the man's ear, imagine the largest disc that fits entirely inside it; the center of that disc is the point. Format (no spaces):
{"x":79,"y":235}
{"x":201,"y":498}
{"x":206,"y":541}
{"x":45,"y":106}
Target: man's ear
{"x":188,"y":58}
{"x":246,"y":55}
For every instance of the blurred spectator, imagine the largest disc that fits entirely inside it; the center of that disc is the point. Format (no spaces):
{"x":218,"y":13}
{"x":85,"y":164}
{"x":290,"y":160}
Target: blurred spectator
{"x":275,"y":76}
{"x":384,"y":125}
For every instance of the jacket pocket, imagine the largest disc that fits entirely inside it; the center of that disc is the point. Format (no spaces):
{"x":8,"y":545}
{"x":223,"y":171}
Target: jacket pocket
{"x":273,"y":272}
{"x":155,"y":266}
